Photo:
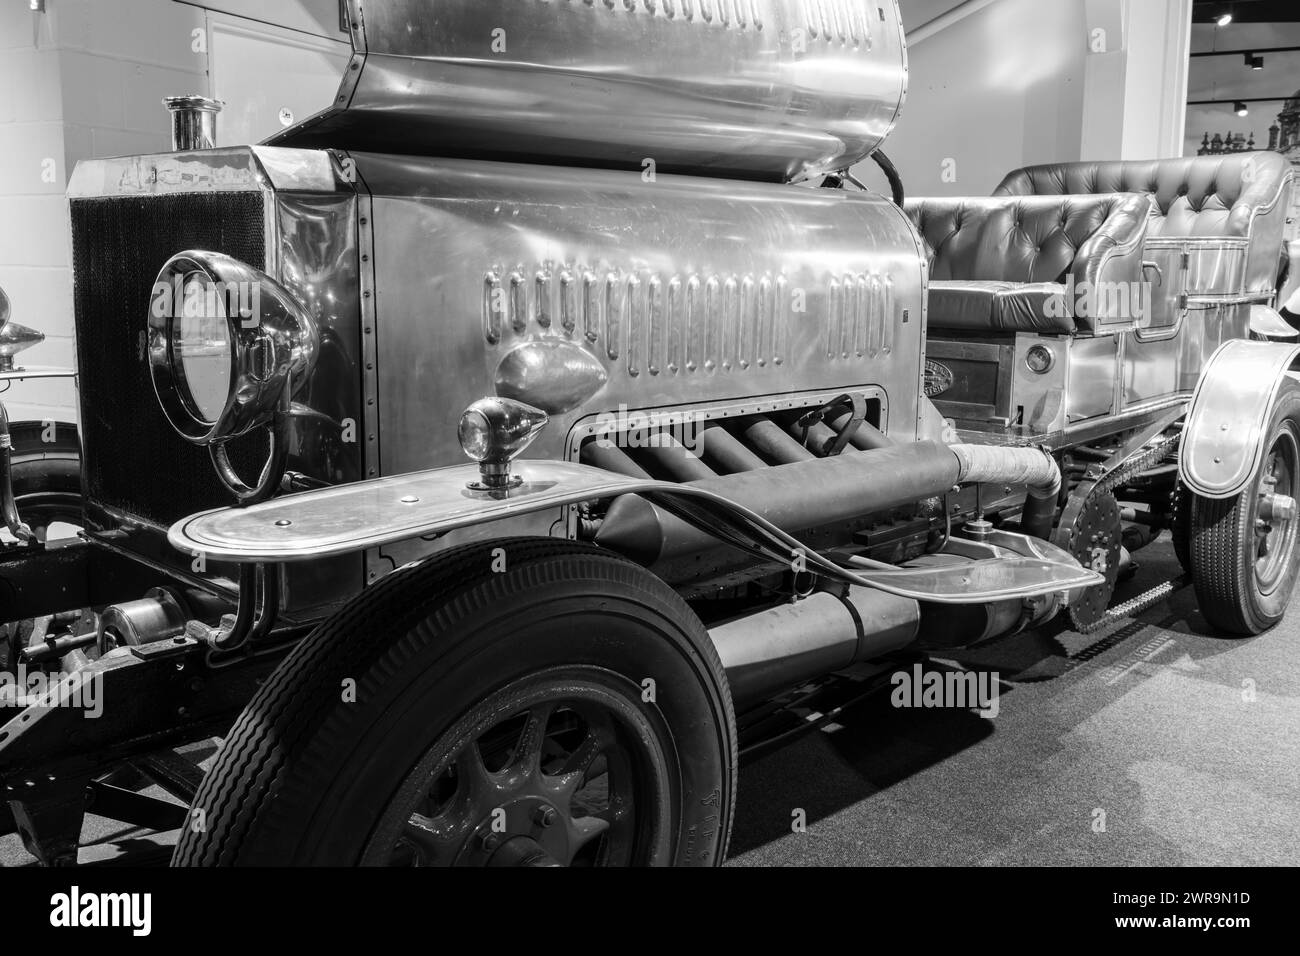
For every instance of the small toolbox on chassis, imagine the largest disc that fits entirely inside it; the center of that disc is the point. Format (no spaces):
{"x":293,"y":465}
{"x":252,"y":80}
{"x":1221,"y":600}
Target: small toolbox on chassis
{"x":739,"y":435}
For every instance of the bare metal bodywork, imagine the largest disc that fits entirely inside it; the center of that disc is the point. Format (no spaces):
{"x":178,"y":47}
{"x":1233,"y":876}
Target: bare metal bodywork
{"x":1228,"y":415}
{"x":773,"y":89}
{"x":590,"y":293}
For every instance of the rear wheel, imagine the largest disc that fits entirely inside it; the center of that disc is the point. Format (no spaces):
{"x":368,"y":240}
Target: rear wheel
{"x":567,"y":710}
{"x":1243,"y":548}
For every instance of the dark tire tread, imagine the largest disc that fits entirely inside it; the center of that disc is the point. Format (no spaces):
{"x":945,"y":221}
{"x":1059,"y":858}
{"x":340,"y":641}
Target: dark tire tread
{"x":291,"y":716}
{"x":1215,"y":542}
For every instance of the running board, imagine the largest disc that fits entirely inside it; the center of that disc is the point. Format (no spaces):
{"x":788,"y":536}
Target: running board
{"x":352,"y":517}
{"x":981,"y":582}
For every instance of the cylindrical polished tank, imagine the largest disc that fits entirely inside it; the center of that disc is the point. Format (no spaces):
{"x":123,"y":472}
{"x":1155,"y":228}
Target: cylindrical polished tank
{"x":759,"y":89}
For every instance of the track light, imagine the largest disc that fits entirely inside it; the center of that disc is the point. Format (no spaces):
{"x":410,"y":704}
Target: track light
{"x":1240,"y":108}
{"x":1255,"y":61}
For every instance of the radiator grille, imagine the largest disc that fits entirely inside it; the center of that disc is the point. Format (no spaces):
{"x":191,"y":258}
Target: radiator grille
{"x":134,"y":462}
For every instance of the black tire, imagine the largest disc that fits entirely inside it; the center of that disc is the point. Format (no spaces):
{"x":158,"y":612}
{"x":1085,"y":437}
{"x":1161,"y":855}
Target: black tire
{"x":46,"y":473}
{"x":440,"y":652}
{"x":1242,"y":588}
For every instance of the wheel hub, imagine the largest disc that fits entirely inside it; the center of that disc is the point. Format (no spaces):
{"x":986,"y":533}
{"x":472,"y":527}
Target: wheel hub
{"x":551,"y":785}
{"x":535,"y":818}
{"x":1275,"y":514}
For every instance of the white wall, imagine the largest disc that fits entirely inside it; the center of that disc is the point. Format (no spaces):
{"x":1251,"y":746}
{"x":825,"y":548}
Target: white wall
{"x":997,"y":89}
{"x":86,"y":79}
{"x":1136,"y":78}
{"x":35,"y":267}
{"x":269,"y":77}
{"x":1024,"y":81}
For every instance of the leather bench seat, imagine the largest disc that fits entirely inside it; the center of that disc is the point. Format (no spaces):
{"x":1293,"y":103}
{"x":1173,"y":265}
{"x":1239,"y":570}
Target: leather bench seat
{"x":1029,"y":263}
{"x":972,"y":304}
{"x":1238,"y":195}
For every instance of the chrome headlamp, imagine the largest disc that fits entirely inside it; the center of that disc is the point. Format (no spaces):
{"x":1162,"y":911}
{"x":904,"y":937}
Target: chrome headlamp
{"x":493,"y":432}
{"x":228,"y":345}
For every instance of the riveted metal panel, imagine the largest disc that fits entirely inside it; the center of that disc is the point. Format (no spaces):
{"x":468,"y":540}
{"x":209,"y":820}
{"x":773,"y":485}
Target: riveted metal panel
{"x":1223,"y":438}
{"x":680,"y":291}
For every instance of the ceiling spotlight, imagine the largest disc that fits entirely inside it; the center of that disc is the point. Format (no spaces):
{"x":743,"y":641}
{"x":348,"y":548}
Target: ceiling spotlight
{"x":1224,"y":17}
{"x":1240,"y":108}
{"x":1255,"y":61}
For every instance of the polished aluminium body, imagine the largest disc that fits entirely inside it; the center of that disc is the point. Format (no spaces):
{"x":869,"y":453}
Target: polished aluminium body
{"x":1228,"y":416}
{"x":1029,"y":300}
{"x":592,"y":294}
{"x":1209,"y":262}
{"x":595,"y":294}
{"x":1216,"y":227}
{"x":290,"y":214}
{"x":771,"y":89}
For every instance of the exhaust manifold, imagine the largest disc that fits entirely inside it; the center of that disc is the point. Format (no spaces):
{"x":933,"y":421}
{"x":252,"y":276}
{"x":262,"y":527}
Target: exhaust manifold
{"x":1033,"y":467}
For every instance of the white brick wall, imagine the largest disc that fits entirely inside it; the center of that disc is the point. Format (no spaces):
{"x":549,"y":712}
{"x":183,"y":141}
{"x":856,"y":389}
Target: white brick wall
{"x":34,"y":246}
{"x":86,"y":80}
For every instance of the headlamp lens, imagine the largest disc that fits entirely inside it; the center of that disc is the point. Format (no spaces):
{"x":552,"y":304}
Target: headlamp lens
{"x":202,"y":348}
{"x":475,"y":434}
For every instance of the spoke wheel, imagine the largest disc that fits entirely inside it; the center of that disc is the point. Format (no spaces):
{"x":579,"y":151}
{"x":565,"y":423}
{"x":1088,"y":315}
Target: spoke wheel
{"x":558,"y":772}
{"x":568,"y":711}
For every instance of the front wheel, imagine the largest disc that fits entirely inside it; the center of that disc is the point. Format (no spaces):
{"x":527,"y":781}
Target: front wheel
{"x":46,"y":476}
{"x":515,"y":702}
{"x":1243,"y":548}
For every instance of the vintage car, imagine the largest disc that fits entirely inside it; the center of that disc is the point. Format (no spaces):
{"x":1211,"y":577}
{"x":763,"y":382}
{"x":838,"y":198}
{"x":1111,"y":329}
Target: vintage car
{"x":783,"y":435}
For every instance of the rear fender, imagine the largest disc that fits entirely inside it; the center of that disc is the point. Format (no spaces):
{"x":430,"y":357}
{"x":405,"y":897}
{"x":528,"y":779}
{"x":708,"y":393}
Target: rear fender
{"x":1222,"y":440}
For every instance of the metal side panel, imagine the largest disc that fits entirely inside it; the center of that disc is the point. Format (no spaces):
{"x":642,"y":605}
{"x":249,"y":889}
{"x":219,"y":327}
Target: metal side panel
{"x":594,"y":291}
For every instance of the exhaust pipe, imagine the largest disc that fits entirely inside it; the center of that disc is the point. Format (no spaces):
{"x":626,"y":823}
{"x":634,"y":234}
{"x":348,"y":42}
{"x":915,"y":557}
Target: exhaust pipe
{"x":826,"y":491}
{"x":794,"y":497}
{"x":782,"y":647}
{"x":1016,"y":466}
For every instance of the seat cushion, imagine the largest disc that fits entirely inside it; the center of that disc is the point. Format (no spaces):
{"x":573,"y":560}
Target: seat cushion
{"x":974,"y":304}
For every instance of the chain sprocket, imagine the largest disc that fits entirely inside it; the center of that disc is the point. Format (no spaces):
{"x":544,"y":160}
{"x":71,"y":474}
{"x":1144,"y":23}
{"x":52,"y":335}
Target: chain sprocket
{"x":1090,"y":527}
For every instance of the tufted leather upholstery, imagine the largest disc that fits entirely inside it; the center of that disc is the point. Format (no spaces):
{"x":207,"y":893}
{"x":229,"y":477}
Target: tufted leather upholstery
{"x":1243,"y":195}
{"x":1004,"y":262}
